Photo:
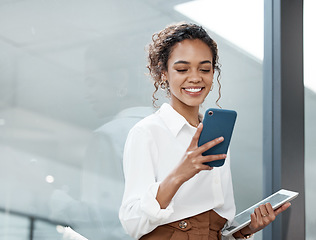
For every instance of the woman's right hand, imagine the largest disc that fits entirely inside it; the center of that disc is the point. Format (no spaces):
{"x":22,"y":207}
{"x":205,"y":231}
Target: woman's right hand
{"x":191,"y":164}
{"x":193,"y":160}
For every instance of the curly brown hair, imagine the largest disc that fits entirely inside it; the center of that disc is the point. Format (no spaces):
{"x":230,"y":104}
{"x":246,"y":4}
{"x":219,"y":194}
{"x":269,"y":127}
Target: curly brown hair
{"x":162,"y":45}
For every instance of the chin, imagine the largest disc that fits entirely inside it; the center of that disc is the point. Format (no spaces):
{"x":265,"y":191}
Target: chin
{"x":194,"y":104}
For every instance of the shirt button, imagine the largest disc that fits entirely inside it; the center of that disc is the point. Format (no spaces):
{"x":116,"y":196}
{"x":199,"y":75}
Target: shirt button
{"x":183,"y":224}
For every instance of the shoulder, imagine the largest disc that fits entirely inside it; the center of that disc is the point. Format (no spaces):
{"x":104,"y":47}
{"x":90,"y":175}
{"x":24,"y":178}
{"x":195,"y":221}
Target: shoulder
{"x":151,"y":130}
{"x":149,"y":123}
{"x":143,"y":137}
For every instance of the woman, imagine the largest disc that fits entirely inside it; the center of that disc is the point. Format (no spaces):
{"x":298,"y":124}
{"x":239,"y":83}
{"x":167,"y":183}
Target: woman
{"x":169,"y":192}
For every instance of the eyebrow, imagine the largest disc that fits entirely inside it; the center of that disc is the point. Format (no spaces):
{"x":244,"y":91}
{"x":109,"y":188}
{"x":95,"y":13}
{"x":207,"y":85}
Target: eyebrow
{"x":206,"y":61}
{"x":185,"y":62}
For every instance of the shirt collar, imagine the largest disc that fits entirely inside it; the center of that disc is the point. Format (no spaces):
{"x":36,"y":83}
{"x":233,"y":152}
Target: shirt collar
{"x":173,"y":120}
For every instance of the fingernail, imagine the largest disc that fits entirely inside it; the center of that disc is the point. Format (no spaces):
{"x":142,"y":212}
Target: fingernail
{"x":221,"y":138}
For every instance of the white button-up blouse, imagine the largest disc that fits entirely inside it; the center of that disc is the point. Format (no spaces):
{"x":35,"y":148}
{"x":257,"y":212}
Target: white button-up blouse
{"x":154,"y":147}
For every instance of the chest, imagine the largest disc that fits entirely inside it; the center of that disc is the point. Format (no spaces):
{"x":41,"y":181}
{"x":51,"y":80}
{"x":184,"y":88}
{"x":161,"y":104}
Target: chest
{"x":171,"y":150}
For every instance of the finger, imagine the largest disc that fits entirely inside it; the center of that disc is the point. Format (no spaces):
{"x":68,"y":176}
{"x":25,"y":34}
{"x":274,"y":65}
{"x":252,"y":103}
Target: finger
{"x":210,"y":158}
{"x":199,"y":166}
{"x":202,"y":167}
{"x":263,"y":211}
{"x":269,"y":209}
{"x":271,"y":213}
{"x":195,"y":138}
{"x":209,"y":145}
{"x":282,"y":208}
{"x":266,"y":216}
{"x":254,"y":223}
{"x":259,"y":216}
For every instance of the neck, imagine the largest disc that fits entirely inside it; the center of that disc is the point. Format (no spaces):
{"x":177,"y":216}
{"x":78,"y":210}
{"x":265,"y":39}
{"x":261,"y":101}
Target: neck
{"x":191,"y":114}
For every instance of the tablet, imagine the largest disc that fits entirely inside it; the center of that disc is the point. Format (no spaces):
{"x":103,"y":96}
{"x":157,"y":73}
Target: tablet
{"x":243,"y":219}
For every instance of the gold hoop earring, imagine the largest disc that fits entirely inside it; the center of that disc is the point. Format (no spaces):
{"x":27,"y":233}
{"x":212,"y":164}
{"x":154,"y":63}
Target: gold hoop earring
{"x":164,"y":85}
{"x":164,"y":82}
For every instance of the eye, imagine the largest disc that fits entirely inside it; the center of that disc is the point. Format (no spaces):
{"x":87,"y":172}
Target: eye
{"x":181,"y":70}
{"x":205,"y":70}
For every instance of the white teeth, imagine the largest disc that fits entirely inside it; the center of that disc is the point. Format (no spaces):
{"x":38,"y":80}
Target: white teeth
{"x":193,"y":90}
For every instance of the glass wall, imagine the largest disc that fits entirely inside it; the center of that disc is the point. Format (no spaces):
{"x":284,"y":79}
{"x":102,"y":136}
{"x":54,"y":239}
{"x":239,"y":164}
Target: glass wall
{"x":310,"y":116}
{"x":14,"y":227}
{"x":72,"y":83}
{"x":240,"y":45}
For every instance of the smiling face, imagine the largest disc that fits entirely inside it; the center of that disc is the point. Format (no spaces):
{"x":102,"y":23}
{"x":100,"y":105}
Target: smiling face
{"x":190,"y":74}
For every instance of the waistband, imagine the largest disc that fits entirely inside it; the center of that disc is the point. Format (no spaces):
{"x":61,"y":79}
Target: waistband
{"x":206,"y":225}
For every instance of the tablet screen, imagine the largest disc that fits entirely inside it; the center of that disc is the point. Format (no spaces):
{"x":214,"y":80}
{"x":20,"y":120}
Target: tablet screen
{"x":242,"y":219}
{"x":274,"y":200}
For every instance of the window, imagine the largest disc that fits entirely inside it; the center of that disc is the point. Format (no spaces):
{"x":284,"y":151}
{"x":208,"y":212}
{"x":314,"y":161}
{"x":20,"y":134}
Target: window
{"x":310,"y":116}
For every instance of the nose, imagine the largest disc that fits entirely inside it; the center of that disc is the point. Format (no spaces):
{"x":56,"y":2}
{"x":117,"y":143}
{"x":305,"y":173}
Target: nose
{"x":195,"y":77}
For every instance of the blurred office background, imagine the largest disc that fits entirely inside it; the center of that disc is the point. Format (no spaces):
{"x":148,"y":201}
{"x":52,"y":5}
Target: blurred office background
{"x":73,"y":82}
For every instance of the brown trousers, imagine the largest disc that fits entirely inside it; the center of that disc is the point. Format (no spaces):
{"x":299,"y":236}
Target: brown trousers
{"x":204,"y":226}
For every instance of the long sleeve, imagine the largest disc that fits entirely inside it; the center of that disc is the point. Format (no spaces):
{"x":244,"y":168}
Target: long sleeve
{"x":140,"y":212}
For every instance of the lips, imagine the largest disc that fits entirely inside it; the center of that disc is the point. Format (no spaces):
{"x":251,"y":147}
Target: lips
{"x":193,"y":90}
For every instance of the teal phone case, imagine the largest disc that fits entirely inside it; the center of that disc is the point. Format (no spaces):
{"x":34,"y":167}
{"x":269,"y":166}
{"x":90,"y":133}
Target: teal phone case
{"x":217,"y":123}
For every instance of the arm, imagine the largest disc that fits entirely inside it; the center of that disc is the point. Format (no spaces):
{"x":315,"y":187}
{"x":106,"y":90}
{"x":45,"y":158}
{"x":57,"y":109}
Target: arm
{"x":146,"y":202}
{"x":140,"y":213}
{"x":190,"y":165}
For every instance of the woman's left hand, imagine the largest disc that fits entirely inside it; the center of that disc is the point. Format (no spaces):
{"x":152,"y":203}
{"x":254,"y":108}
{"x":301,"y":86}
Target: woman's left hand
{"x":262,"y":217}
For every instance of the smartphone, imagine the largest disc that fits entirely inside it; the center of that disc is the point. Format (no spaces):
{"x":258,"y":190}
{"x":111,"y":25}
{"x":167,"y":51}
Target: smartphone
{"x":217,"y":123}
{"x":243,"y":219}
